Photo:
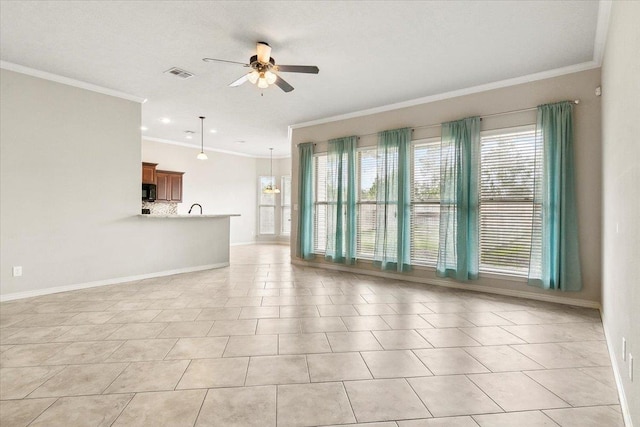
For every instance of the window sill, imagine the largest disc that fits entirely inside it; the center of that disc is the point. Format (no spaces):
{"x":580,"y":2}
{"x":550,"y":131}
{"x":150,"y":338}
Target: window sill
{"x":429,"y":269}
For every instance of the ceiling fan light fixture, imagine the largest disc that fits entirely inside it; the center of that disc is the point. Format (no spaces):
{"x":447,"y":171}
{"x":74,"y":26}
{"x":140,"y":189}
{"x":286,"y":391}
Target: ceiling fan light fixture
{"x":264,"y":71}
{"x":270,"y":77}
{"x":262,"y":83}
{"x":253,"y":77}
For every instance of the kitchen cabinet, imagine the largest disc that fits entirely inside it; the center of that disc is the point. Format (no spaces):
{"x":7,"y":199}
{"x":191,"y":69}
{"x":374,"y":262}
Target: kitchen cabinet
{"x":149,"y":173}
{"x":168,"y":186}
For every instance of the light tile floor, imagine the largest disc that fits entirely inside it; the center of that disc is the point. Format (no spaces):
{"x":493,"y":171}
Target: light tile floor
{"x":264,"y":343}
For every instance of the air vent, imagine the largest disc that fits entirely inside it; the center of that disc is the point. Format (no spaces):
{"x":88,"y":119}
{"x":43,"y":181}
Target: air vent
{"x":183,"y":74}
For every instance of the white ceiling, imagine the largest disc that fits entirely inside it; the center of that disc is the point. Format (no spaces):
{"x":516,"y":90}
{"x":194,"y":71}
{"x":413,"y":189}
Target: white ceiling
{"x":370,"y":54}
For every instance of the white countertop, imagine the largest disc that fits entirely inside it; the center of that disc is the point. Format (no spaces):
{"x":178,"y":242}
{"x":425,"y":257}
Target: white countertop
{"x":187,"y":216}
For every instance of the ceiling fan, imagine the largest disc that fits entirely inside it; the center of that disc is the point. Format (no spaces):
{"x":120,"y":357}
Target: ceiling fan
{"x":264,"y":71}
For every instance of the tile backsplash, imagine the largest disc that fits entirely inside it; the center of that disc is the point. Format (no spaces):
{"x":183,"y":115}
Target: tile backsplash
{"x":161,"y":208}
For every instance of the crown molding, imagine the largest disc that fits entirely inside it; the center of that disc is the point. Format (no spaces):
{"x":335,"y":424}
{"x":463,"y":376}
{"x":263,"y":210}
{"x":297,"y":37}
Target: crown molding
{"x":602,"y":29}
{"x":69,"y":81}
{"x":456,"y":93}
{"x":215,"y":150}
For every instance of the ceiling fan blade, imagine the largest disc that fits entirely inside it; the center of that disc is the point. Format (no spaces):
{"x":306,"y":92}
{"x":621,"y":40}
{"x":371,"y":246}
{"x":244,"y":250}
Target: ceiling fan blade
{"x":264,"y":52}
{"x":309,"y":69}
{"x":224,"y":60}
{"x":240,"y":81}
{"x":283,"y":85}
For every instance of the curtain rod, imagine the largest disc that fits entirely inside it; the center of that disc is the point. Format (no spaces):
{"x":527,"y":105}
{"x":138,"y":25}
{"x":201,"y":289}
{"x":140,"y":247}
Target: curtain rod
{"x":522,"y":110}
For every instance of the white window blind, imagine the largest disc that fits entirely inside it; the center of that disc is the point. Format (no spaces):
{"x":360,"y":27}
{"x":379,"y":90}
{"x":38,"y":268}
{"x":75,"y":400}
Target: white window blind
{"x":266,"y":207}
{"x":506,"y":200}
{"x":285,"y":194}
{"x":425,"y":202}
{"x":366,"y":203}
{"x":320,"y":204}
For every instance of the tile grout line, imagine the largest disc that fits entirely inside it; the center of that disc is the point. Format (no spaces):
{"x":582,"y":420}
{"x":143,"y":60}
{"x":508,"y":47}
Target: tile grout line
{"x":204,"y":398}
{"x":43,"y":411}
{"x":175,"y":387}
{"x":429,"y":411}
{"x":123,"y":408}
{"x":344,"y":388}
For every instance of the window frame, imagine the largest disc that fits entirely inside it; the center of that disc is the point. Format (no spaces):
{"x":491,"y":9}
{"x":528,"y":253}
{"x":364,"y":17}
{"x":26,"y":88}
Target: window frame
{"x":264,"y":205}
{"x":360,"y":202}
{"x":489,"y":273}
{"x":413,"y":203}
{"x":285,"y":203}
{"x":316,"y":204}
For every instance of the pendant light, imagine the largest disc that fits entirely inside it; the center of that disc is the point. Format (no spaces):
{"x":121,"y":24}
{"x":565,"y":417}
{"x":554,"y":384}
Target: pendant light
{"x":201,"y":154}
{"x":271,"y":188}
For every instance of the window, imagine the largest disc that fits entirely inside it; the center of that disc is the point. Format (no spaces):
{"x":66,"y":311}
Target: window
{"x":506,"y":194}
{"x":506,"y":201}
{"x":425,"y":202}
{"x":267,"y":207}
{"x":285,"y":197}
{"x":366,"y":203}
{"x":320,"y":204}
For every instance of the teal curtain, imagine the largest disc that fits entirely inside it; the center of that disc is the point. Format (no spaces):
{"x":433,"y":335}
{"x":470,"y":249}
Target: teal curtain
{"x":305,"y":201}
{"x":555,"y":258}
{"x":341,"y":200}
{"x":459,"y":239}
{"x":393,"y":197}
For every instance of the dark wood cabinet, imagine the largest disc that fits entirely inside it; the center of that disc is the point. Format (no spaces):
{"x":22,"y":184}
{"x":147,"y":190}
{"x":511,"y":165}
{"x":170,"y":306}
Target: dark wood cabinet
{"x":169,"y":186}
{"x":149,"y":173}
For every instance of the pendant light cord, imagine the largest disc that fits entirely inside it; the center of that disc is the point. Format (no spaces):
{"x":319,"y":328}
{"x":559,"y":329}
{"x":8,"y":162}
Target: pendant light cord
{"x":201,"y":134}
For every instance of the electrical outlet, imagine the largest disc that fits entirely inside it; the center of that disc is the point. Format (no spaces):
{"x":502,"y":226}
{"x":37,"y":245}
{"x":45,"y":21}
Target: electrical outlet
{"x":17,"y":271}
{"x":630,"y":367}
{"x":624,"y":348}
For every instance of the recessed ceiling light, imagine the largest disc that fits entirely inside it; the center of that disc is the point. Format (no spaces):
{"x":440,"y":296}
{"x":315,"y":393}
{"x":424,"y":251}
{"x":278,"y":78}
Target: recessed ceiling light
{"x":143,"y":128}
{"x":165,"y":120}
{"x":213,"y":131}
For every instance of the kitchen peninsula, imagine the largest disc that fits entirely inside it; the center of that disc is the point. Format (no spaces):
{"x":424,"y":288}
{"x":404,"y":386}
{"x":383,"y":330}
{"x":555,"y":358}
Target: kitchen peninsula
{"x":198,"y":241}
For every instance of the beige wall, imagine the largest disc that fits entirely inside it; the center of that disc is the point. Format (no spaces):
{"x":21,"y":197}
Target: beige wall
{"x":224,"y":183}
{"x":587,"y":152}
{"x":70,"y":194}
{"x":621,"y":196}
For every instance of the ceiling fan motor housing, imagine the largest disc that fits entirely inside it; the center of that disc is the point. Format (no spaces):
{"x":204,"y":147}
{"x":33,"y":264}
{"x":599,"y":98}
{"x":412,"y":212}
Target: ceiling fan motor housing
{"x":259,"y":66}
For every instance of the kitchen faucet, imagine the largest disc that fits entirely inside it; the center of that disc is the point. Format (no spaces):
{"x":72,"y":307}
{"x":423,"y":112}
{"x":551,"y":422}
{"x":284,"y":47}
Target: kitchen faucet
{"x":196,"y":204}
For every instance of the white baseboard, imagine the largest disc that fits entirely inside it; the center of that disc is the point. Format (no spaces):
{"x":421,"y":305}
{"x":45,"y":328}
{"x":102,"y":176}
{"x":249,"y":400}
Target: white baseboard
{"x":114,"y":281}
{"x":624,"y":405}
{"x":451,"y":284}
{"x":274,"y":242}
{"x":262,"y":242}
{"x":243,"y":243}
